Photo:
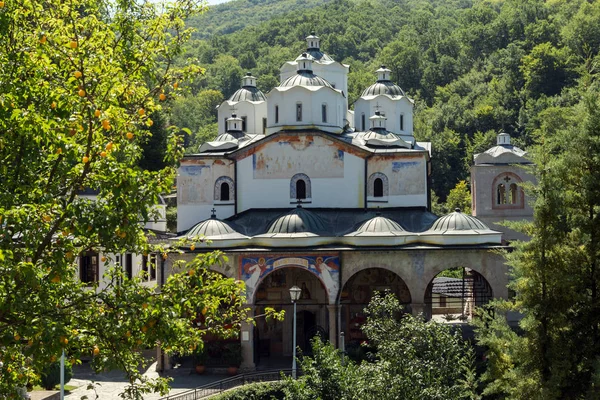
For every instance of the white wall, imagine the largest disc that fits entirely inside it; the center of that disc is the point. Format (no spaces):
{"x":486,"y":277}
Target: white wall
{"x":254,"y":113}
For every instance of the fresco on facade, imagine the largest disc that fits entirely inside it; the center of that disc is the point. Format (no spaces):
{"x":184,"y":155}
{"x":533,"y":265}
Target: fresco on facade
{"x":192,"y":183}
{"x":405,"y":177}
{"x":254,"y":269}
{"x":313,"y":156}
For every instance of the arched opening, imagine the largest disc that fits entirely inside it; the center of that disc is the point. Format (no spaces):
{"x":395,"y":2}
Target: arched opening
{"x":506,"y":191}
{"x":298,"y":112}
{"x":513,"y":193}
{"x":357,"y":293}
{"x":300,"y":189}
{"x":378,"y":187}
{"x":276,"y":114}
{"x":273,"y":339}
{"x":324,"y":113}
{"x":225,"y":191}
{"x":453,"y":294}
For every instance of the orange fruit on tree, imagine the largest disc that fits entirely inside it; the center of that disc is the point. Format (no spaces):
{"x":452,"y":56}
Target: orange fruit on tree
{"x":109,"y":146}
{"x":149,"y":122}
{"x":106,"y":124}
{"x":64,"y":340}
{"x":141,"y":111}
{"x":85,"y":159}
{"x":103,"y":259}
{"x":204,"y":311}
{"x":145,"y":305}
{"x":43,"y":39}
{"x":193,"y":247}
{"x":1,"y":4}
{"x":81,"y":92}
{"x":55,"y":279}
{"x":77,"y":74}
{"x":103,"y":154}
{"x":176,"y":85}
{"x":191,"y":272}
{"x":53,"y":358}
{"x":73,"y":44}
{"x":47,"y":218}
{"x":53,"y":105}
{"x":96,"y":350}
{"x":59,"y":151}
{"x":128,"y":334}
{"x":97,"y":113}
{"x":129,"y":135}
{"x":144,"y":329}
{"x":17,"y":336}
{"x":162,"y":97}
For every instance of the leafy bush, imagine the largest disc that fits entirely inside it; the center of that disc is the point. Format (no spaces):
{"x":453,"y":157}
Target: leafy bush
{"x":255,"y":391}
{"x":51,"y":376}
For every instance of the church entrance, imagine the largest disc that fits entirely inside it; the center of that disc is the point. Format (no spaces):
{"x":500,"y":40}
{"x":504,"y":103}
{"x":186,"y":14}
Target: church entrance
{"x":273,"y":339}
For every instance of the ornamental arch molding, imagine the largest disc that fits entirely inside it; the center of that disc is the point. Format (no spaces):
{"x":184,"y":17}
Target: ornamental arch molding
{"x":217,"y":192}
{"x":371,"y":185}
{"x":294,"y":185}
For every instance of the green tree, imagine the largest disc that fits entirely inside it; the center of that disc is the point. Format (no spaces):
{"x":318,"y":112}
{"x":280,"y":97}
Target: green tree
{"x":556,"y":272}
{"x":459,"y":198}
{"x":80,"y":81}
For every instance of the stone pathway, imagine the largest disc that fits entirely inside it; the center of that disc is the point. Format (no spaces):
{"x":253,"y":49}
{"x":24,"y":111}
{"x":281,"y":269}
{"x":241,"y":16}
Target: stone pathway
{"x":113,"y":383}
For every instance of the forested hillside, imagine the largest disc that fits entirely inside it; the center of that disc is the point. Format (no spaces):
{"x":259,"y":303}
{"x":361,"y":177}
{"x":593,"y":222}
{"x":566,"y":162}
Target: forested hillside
{"x":474,"y":67}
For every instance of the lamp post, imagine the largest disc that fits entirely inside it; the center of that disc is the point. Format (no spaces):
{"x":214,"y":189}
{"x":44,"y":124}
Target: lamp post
{"x":295,"y":292}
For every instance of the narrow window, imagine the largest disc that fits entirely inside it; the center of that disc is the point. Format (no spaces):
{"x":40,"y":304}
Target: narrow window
{"x":244,"y":124}
{"x":501,"y":194}
{"x":378,"y":188}
{"x":299,"y":112}
{"x":513,"y":193}
{"x":264,"y":126}
{"x":145,"y":265}
{"x":401,"y":122}
{"x":225,"y":124}
{"x":276,"y":114}
{"x":362,"y":122}
{"x":129,"y":265}
{"x":224,"y":191}
{"x":442,"y":301}
{"x":88,"y":267}
{"x":300,"y":189}
{"x":153,"y":267}
{"x":324,"y":112}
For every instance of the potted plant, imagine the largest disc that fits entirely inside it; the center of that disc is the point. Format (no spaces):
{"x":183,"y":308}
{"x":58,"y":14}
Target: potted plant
{"x":199,"y":360}
{"x":233,"y":357}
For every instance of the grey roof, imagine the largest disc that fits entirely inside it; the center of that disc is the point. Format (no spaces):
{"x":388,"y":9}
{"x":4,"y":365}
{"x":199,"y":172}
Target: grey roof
{"x":457,"y":221}
{"x":305,"y":78}
{"x":298,"y":220}
{"x":210,"y":227}
{"x":379,"y":224}
{"x":451,"y":287}
{"x":383,"y":87}
{"x":225,"y":137}
{"x":316,"y":55}
{"x":248,"y":93}
{"x":383,"y":138}
{"x":333,"y":221}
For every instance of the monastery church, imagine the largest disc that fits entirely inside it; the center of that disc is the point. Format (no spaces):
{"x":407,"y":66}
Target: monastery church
{"x":299,"y":190}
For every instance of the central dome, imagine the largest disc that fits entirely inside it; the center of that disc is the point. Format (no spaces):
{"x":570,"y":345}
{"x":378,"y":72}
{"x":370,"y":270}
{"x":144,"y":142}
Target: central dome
{"x":297,"y":221}
{"x":248,"y":93}
{"x":305,"y":78}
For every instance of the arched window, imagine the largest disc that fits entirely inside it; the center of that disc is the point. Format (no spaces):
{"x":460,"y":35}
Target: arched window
{"x":298,"y":112}
{"x":300,"y":187}
{"x":244,"y":123}
{"x":401,"y":122}
{"x":378,"y":188}
{"x":324,"y":112}
{"x":276,"y":114}
{"x":224,"y":190}
{"x":378,"y":185}
{"x":506,"y":191}
{"x":362,"y":122}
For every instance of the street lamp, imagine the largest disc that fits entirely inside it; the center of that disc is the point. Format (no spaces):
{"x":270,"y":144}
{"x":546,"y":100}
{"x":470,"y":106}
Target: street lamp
{"x":295,"y":292}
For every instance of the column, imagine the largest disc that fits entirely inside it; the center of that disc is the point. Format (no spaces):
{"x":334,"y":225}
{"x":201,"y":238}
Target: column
{"x":247,"y":340}
{"x":421,"y":308}
{"x":332,"y":310}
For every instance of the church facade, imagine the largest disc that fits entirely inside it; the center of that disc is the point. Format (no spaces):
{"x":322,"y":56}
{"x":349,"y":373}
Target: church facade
{"x":298,"y":190}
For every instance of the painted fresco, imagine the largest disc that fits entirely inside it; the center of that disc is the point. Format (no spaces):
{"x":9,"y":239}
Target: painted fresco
{"x":192,"y":182}
{"x":254,"y":269}
{"x":405,"y":176}
{"x":195,"y":182}
{"x":311,"y":155}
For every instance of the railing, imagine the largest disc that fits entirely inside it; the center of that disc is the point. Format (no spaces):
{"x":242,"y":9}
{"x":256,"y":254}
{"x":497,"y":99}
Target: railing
{"x":204,"y":391}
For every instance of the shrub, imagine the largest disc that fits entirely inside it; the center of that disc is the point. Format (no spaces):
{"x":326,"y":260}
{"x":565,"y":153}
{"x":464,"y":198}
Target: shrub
{"x":255,"y":391}
{"x":51,"y":376}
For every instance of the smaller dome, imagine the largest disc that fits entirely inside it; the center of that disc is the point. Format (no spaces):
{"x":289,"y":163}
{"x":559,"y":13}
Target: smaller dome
{"x":458,"y":221}
{"x":379,"y":224}
{"x":304,"y":78}
{"x":383,"y":87}
{"x":297,"y":221}
{"x":225,"y":137}
{"x":248,"y":93}
{"x":210,"y":227}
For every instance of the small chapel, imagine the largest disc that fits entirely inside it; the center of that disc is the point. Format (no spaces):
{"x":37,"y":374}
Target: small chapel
{"x":299,"y":190}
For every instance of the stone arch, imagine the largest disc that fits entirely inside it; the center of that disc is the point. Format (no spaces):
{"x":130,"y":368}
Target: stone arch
{"x":456,"y":294}
{"x":504,"y":192}
{"x":294,"y":184}
{"x":217,"y":191}
{"x":371,"y":184}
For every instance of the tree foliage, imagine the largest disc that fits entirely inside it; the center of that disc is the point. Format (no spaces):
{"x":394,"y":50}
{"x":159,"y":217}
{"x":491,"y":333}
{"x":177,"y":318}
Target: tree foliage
{"x":81,"y":83}
{"x":414,"y":359}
